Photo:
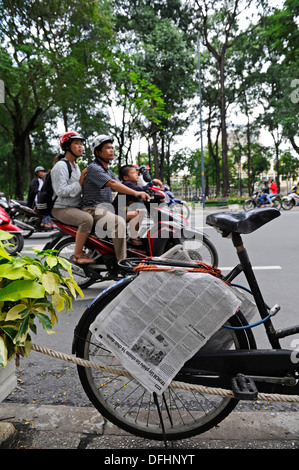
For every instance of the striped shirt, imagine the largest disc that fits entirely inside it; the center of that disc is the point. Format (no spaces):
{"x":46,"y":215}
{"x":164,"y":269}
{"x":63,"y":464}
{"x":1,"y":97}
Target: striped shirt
{"x":94,"y":189}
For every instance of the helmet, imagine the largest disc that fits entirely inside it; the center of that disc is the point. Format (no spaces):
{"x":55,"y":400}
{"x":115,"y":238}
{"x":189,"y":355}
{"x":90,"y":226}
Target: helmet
{"x":67,"y":137}
{"x":39,"y":168}
{"x":143,"y":167}
{"x":100,"y":140}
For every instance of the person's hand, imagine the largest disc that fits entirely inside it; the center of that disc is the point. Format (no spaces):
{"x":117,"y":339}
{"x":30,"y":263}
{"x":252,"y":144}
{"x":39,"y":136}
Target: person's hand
{"x":143,"y":196}
{"x":82,"y":176}
{"x":158,"y":183}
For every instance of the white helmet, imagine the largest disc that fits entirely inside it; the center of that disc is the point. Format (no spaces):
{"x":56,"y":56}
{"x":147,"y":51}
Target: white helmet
{"x":100,"y":140}
{"x":39,"y":168}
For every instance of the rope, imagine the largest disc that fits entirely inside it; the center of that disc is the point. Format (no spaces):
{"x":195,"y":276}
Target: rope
{"x":174,"y":384}
{"x":203,"y":268}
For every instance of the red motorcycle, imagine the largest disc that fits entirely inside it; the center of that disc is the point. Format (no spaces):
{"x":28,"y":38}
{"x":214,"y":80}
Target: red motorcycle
{"x":167,"y":230}
{"x":16,"y":243}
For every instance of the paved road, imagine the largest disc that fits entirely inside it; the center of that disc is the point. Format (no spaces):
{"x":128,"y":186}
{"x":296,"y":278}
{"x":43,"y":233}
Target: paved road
{"x":274,"y":252}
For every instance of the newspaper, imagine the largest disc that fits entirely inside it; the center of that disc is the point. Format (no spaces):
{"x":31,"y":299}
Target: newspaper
{"x":161,"y":319}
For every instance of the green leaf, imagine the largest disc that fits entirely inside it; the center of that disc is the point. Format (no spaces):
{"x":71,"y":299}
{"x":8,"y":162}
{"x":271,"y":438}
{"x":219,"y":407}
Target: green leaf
{"x":73,"y":287}
{"x":9,"y":271}
{"x":10,"y":329}
{"x":50,"y":282}
{"x":5,"y":235}
{"x":17,"y":290}
{"x":23,"y":332}
{"x":35,"y":270}
{"x":66,"y":265}
{"x":58,"y":301}
{"x":51,"y":261}
{"x":45,"y":321}
{"x":3,"y":252}
{"x":15,"y":312}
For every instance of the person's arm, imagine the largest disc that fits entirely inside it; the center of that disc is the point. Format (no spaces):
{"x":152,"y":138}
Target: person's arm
{"x":118,"y":187}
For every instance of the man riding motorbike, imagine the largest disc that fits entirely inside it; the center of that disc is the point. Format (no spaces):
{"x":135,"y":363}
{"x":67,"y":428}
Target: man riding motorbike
{"x":97,"y":190}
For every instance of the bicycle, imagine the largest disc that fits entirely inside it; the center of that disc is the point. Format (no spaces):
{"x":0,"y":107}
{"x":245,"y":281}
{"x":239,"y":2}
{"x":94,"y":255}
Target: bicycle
{"x":237,"y":365}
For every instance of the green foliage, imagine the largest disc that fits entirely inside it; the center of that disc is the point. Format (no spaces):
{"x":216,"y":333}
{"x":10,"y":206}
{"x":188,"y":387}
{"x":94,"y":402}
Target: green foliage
{"x":31,"y":290}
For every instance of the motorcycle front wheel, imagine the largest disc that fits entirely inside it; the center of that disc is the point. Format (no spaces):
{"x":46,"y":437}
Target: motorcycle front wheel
{"x":16,"y":244}
{"x":127,"y":404}
{"x":181,"y":208}
{"x":249,"y":205}
{"x":65,"y":249}
{"x":287,"y":204}
{"x":277,"y":202}
{"x":199,"y":248}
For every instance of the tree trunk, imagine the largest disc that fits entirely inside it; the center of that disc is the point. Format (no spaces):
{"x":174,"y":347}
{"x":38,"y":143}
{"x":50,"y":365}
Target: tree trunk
{"x":156,"y":155}
{"x":248,"y":155}
{"x":214,"y":154}
{"x":225,"y":168}
{"x":19,"y":154}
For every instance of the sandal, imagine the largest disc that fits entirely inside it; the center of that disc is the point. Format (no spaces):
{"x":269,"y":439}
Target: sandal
{"x":82,"y":259}
{"x":135,"y":241}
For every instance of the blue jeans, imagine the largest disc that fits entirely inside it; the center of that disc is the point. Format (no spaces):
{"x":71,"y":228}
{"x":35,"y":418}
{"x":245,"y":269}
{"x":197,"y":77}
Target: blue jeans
{"x":269,"y":198}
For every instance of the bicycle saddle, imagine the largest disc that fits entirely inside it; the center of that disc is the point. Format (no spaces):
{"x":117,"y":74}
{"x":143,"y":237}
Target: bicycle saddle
{"x":242,"y":222}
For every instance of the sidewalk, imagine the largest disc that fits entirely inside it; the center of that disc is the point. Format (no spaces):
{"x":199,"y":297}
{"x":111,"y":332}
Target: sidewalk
{"x":30,"y":426}
{"x":66,"y":427}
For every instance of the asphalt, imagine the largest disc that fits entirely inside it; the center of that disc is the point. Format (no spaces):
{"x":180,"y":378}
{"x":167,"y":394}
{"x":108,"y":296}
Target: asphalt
{"x":60,"y":427}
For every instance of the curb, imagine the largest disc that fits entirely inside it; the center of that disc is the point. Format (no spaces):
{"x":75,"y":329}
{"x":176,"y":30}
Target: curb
{"x":68,"y":427}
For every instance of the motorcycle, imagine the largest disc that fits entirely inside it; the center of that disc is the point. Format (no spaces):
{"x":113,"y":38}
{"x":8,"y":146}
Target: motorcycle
{"x":291,"y":200}
{"x":16,"y":243}
{"x":168,"y":230}
{"x":27,"y":219}
{"x":173,"y":203}
{"x":255,"y":202}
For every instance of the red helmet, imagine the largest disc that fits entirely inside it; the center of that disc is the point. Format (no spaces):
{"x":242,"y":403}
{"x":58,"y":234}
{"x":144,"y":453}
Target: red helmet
{"x":67,"y":137}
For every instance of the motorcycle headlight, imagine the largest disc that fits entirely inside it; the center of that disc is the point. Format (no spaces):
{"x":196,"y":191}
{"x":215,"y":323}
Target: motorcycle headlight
{"x":1,"y":221}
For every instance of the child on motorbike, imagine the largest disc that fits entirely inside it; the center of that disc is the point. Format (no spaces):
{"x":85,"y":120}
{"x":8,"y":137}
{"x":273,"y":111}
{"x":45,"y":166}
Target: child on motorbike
{"x":128,"y":174}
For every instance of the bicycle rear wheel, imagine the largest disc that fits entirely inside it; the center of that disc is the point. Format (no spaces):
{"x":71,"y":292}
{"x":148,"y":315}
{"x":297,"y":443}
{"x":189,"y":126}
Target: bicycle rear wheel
{"x":126,"y":403}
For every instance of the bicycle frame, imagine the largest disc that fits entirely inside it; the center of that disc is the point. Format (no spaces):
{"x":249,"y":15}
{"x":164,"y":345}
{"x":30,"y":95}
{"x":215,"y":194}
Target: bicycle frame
{"x":246,"y":268}
{"x":272,"y":369}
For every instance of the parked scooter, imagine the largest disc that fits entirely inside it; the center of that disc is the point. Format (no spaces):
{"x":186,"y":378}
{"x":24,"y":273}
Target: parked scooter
{"x":255,"y":202}
{"x":16,"y":243}
{"x":173,"y":203}
{"x":291,"y":200}
{"x":168,"y":230}
{"x":27,"y":219}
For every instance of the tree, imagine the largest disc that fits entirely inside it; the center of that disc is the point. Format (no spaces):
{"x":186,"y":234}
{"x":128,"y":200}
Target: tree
{"x":220,"y":31}
{"x":289,"y":166}
{"x":48,"y":61}
{"x":260,"y":156}
{"x":281,"y":35}
{"x":163,"y":56}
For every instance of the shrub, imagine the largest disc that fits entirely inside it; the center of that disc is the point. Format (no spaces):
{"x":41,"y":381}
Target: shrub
{"x":31,"y":290}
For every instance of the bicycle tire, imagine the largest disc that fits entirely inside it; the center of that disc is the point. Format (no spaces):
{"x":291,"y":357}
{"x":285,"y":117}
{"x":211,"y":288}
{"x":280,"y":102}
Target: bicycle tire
{"x":128,"y":405}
